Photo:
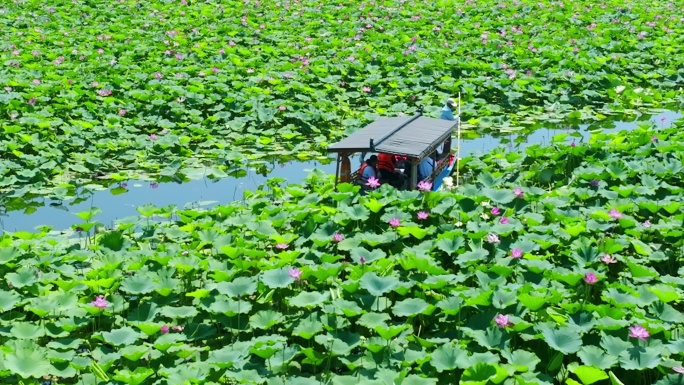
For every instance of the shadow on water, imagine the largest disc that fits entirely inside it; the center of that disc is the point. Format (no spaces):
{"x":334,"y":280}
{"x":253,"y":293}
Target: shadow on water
{"x":120,"y":200}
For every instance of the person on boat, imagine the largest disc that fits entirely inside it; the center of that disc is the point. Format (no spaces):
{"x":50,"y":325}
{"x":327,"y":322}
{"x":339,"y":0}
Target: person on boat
{"x":368,"y":170}
{"x":426,"y":167}
{"x":447,"y":114}
{"x":448,"y":110}
{"x":387,"y":168}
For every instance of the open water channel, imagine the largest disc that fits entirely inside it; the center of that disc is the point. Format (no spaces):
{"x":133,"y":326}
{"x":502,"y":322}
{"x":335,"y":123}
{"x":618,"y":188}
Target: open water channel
{"x":204,"y":193}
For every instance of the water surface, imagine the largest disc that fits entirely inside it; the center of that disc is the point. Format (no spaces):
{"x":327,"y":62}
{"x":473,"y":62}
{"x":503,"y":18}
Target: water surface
{"x":205,"y":192}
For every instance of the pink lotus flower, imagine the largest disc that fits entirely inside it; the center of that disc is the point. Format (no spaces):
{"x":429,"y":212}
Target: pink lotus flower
{"x":590,"y":278}
{"x":214,"y":70}
{"x":8,"y":89}
{"x":158,"y":75}
{"x":395,"y":222}
{"x":250,"y":70}
{"x":153,"y":136}
{"x":639,"y":332}
{"x":502,"y":321}
{"x":424,"y":185}
{"x":36,"y":81}
{"x":516,"y":253}
{"x":100,"y":302}
{"x":678,"y":369}
{"x":282,"y":108}
{"x":154,"y":184}
{"x":495,"y":211}
{"x":337,"y":237}
{"x":423,"y":215}
{"x":493,"y":238}
{"x":654,"y":139}
{"x":282,"y":246}
{"x":647,"y":224}
{"x":164,"y":329}
{"x":503,"y":220}
{"x":615,"y":214}
{"x":295,"y":273}
{"x":518,"y":192}
{"x":104,"y":92}
{"x":177,"y":328}
{"x":608,"y":259}
{"x":373,"y":182}
{"x":32,"y":101}
{"x":122,"y":112}
{"x":366,"y":89}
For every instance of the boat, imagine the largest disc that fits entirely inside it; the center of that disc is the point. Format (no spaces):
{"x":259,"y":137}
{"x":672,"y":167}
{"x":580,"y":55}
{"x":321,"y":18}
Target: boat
{"x":409,"y":138}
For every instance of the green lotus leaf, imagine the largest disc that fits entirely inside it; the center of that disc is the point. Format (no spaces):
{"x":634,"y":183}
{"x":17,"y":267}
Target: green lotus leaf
{"x":482,"y":373}
{"x":451,"y":305}
{"x":499,"y":196}
{"x":377,"y":285}
{"x":309,"y":299}
{"x":8,"y":254}
{"x":373,"y":320}
{"x":449,"y":357}
{"x":639,"y":358}
{"x":227,"y":306}
{"x":671,"y":379}
{"x":415,"y":231}
{"x":134,"y":352}
{"x":26,"y":330}
{"x":146,"y":312}
{"x":194,"y":372}
{"x":238,"y":287}
{"x":369,"y":256}
{"x":565,"y":340}
{"x":277,"y":278}
{"x":411,"y":307}
{"x":166,"y":341}
{"x":338,"y":343}
{"x":22,"y":277}
{"x":589,"y":374}
{"x":450,"y":245}
{"x":8,"y":300}
{"x":226,"y":357}
{"x":136,"y":377}
{"x":137,"y":284}
{"x":414,"y":379}
{"x":178,"y":312}
{"x":523,"y":361}
{"x":307,"y":328}
{"x":27,"y":360}
{"x":122,"y":336}
{"x":346,"y":307}
{"x":265,"y":319}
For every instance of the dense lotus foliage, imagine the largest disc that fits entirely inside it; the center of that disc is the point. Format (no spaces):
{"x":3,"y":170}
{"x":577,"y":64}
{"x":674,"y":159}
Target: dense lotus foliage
{"x":553,"y":265}
{"x":184,"y":89}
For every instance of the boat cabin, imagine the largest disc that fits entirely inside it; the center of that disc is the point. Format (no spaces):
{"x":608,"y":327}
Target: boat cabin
{"x":409,"y":138}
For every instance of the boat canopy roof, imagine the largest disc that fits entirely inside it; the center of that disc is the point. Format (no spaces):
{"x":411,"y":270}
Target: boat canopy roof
{"x":413,"y":136}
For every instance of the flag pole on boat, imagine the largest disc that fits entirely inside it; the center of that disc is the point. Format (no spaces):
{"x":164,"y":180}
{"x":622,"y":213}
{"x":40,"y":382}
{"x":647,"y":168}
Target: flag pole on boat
{"x":458,"y":150}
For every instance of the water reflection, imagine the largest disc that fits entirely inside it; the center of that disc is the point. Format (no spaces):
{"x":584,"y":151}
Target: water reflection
{"x":119,"y":200}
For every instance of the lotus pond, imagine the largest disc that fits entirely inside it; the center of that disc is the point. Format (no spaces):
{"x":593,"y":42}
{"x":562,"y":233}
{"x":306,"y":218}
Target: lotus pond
{"x":124,"y":88}
{"x":556,"y":264}
{"x":559,"y":263}
{"x":120,"y":199}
